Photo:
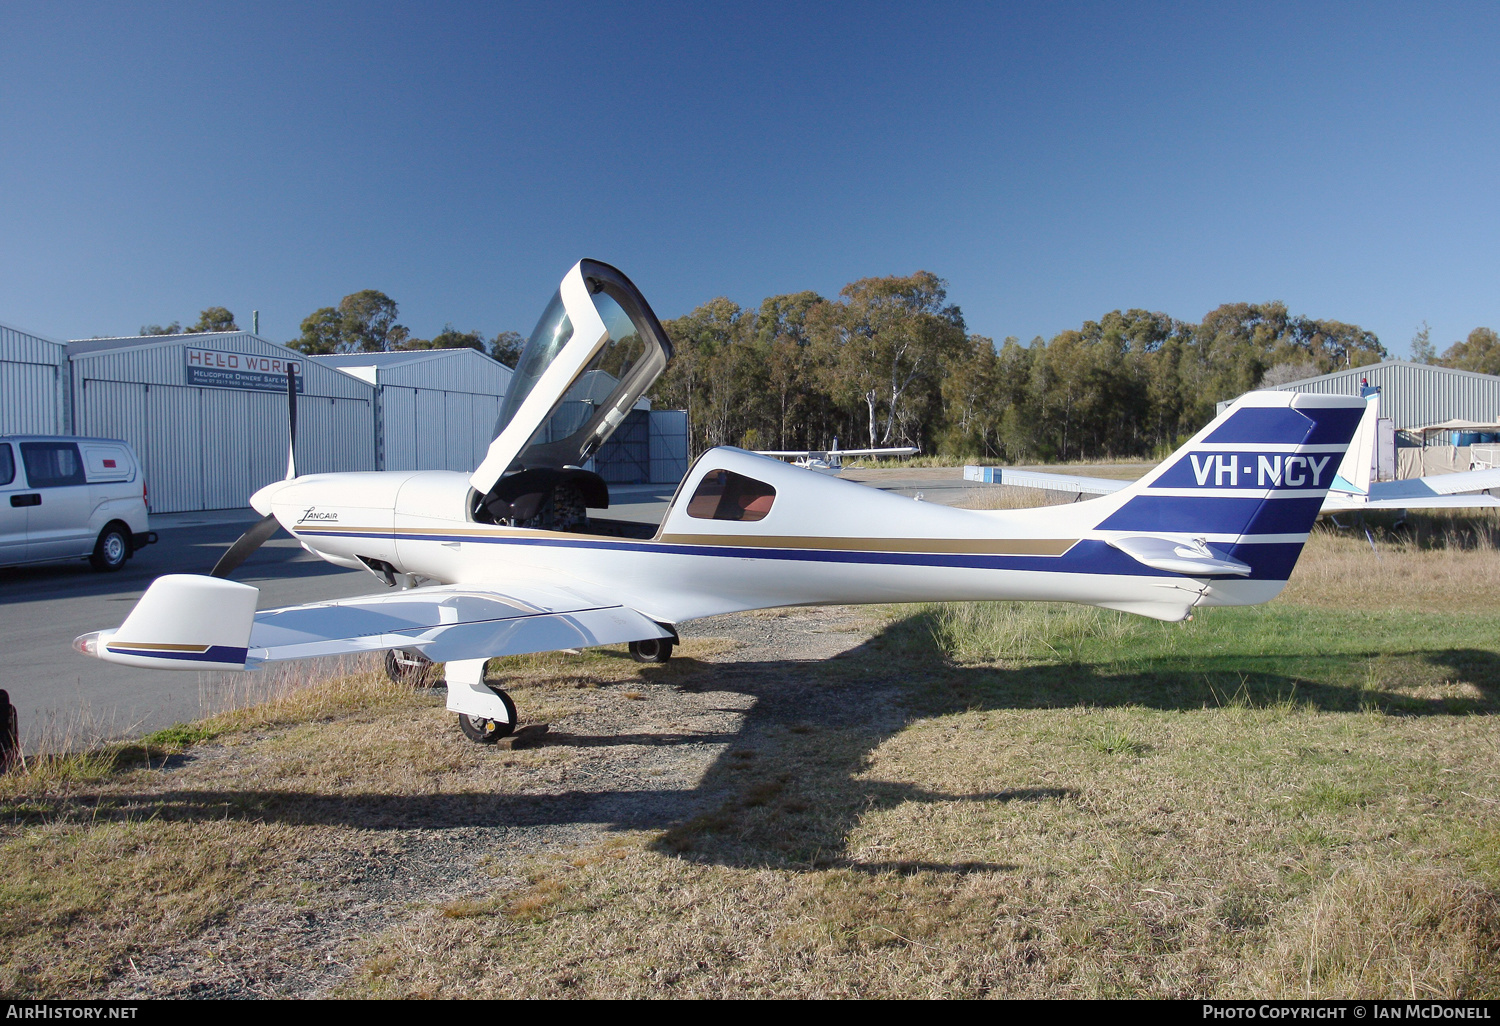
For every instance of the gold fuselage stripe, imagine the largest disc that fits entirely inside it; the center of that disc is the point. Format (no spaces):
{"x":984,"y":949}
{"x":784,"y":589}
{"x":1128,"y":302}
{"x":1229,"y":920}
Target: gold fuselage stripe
{"x":976,"y":546}
{"x":152,"y":644}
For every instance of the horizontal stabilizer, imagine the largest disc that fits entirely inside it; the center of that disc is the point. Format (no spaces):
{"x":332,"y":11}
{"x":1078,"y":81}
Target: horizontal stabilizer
{"x":1193,"y":558}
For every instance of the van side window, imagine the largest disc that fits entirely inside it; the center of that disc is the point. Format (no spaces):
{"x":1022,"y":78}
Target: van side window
{"x":725,"y":495}
{"x":52,"y":464}
{"x":7,"y":465}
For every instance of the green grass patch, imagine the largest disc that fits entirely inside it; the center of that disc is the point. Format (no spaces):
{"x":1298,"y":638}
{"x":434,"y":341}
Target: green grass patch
{"x":179,"y":736}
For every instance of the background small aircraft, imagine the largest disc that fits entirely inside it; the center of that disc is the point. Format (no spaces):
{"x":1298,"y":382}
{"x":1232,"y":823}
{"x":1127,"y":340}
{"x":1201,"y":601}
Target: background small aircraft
{"x":1354,"y":488}
{"x":831,"y":461}
{"x":515,"y":557}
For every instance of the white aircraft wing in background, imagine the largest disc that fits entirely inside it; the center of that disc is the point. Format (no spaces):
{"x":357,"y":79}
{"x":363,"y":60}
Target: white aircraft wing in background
{"x":1464,"y":490}
{"x":1353,"y":488}
{"x":899,"y":450}
{"x":1074,"y":484}
{"x":831,"y":461}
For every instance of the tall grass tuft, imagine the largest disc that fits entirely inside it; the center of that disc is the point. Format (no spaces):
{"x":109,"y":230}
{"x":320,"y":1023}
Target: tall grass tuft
{"x":1374,"y":931}
{"x":1023,"y":632}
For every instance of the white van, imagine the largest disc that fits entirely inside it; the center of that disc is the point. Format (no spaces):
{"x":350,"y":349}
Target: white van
{"x":71,"y":498}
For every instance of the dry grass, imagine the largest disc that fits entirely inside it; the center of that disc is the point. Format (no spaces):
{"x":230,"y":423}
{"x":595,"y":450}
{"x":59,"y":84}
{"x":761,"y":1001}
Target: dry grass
{"x":1434,"y":563}
{"x":1297,"y":800}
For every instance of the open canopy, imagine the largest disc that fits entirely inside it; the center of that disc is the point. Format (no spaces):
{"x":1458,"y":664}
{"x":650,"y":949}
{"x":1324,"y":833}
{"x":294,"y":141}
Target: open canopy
{"x":594,"y":353}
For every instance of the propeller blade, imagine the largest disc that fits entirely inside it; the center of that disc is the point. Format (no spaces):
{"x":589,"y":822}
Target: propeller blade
{"x":291,"y":415}
{"x":247,"y":543}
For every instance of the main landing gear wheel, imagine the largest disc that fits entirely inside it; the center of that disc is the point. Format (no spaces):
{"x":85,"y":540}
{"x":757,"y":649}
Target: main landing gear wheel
{"x":411,"y":668}
{"x":487,"y":732}
{"x":653,"y":650}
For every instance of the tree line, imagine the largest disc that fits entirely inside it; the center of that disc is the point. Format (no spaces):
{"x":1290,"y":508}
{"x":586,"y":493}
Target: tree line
{"x":363,"y":322}
{"x":889,"y":361}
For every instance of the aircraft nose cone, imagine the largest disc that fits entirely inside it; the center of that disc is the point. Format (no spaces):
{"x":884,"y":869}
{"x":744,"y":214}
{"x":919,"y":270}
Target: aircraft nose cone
{"x":261,"y":500}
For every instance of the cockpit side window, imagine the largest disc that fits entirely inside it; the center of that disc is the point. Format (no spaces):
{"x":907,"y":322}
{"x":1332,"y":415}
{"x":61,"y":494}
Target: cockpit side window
{"x":725,"y":495}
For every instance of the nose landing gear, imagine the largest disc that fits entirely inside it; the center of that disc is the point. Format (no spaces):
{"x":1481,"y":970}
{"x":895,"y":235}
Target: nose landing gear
{"x":485,"y":713}
{"x":485,"y":731}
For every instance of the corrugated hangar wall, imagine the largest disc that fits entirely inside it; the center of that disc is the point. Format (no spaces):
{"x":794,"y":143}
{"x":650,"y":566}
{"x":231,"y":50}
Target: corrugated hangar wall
{"x":435,"y":409}
{"x":207,"y":414}
{"x":33,"y":372}
{"x":1414,"y":394}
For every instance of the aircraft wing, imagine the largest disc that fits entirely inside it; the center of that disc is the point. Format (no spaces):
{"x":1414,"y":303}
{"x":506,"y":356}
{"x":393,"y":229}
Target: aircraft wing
{"x":1340,"y":503}
{"x":900,"y":450}
{"x":185,"y":621}
{"x":1059,"y":482}
{"x":1438,"y":491}
{"x":1437,"y":484}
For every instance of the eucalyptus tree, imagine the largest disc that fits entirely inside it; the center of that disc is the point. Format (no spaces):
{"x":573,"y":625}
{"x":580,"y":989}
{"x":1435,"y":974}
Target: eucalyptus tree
{"x":883,"y":343}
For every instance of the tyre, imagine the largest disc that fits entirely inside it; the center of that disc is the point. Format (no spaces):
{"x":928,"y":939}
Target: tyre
{"x":487,"y":732}
{"x":112,"y":549}
{"x":412,"y":669}
{"x":654,"y":650}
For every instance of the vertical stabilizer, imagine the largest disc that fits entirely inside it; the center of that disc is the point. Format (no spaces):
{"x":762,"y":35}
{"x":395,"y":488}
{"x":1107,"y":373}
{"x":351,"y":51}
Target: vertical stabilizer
{"x":1358,"y":468}
{"x":1233,"y":507}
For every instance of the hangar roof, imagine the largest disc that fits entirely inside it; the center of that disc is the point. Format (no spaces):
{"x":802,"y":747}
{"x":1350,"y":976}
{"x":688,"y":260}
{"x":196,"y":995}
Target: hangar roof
{"x":450,"y":370}
{"x":1414,"y":394}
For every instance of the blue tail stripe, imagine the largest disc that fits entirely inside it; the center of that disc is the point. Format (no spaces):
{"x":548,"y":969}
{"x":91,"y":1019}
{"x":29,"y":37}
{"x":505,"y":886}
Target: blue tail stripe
{"x":1336,"y":424}
{"x":1215,"y":515}
{"x":1263,"y":424}
{"x":1269,"y":562}
{"x":1317,"y":425}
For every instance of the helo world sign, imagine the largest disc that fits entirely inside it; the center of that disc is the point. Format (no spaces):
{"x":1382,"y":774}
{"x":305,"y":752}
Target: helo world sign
{"x":218,"y":369}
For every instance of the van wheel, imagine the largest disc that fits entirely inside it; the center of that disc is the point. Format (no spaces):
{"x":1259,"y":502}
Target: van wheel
{"x":111,"y":550}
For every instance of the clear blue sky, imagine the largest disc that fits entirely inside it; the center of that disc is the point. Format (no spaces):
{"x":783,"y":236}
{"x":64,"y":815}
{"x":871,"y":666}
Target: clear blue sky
{"x":1051,"y":161}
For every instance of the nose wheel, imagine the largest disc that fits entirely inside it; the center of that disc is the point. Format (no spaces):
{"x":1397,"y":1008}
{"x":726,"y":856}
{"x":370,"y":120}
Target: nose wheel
{"x":486,"y":731}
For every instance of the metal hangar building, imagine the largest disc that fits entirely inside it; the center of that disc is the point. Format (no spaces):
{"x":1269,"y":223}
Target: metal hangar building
{"x":435,"y":409}
{"x":1414,"y":395}
{"x":206,"y":413}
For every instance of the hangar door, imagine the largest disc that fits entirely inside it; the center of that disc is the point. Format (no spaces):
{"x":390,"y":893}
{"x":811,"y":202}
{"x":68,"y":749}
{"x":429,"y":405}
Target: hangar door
{"x":211,"y":448}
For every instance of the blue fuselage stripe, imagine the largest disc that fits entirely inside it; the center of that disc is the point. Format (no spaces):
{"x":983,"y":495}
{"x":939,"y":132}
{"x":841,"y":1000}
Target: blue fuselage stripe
{"x":1087,"y":557}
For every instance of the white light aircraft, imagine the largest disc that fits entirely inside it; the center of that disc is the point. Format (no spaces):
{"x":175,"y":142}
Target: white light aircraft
{"x":831,"y":461}
{"x":509,"y":559}
{"x":1351,"y":489}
